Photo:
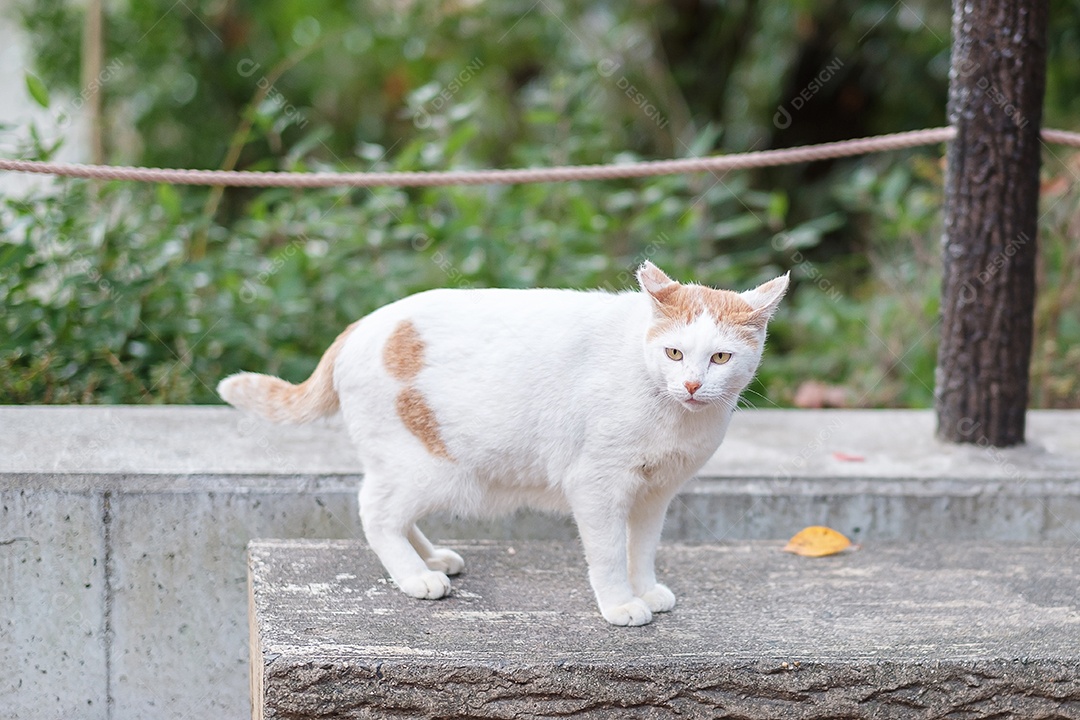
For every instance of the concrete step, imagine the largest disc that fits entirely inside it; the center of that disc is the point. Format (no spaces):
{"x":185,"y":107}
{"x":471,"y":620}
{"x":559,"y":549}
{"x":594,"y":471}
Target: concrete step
{"x":877,"y":475}
{"x":927,"y":630}
{"x":123,"y":529}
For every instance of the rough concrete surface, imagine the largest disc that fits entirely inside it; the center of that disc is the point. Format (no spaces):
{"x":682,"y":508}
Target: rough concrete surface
{"x":53,"y":620}
{"x":179,"y":594}
{"x":122,"y":529}
{"x":919,"y":631}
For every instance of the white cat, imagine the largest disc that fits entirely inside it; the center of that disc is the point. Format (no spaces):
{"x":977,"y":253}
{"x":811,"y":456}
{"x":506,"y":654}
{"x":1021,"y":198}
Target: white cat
{"x":481,"y":401}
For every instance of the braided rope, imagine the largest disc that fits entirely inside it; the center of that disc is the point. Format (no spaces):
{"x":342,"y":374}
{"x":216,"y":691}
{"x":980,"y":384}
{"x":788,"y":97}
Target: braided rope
{"x":1060,"y":137}
{"x":723,"y":163}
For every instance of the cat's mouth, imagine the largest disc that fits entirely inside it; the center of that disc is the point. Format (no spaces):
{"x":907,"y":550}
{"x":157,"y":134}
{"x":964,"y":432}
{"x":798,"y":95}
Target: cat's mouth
{"x":693,"y":403}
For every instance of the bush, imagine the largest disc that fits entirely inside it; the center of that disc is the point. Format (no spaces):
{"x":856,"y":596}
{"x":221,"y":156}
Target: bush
{"x":125,"y":293}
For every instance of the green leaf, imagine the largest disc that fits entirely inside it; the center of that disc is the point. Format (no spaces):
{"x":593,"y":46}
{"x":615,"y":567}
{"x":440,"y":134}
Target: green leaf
{"x":14,"y":255}
{"x":169,"y":200}
{"x":37,"y":90}
{"x":778,"y":207}
{"x":736,"y":226}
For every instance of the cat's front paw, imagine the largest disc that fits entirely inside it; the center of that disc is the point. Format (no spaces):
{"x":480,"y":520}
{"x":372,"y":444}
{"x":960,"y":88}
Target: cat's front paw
{"x":659,"y":599}
{"x":430,"y":585}
{"x":635,"y":612}
{"x":446,"y":561}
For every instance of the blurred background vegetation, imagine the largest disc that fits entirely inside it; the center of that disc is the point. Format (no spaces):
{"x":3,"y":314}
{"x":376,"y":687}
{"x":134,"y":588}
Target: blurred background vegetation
{"x":126,"y":293}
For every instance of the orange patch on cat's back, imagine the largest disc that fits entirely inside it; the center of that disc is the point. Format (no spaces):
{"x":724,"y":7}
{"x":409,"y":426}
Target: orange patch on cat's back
{"x":403,"y":354}
{"x":403,"y":358}
{"x":420,"y":420}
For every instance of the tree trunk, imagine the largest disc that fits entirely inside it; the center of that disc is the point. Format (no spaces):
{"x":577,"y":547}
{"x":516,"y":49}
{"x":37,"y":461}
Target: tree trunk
{"x":93,"y":58}
{"x":991,"y":211}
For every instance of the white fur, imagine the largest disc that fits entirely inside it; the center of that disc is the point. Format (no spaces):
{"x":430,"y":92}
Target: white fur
{"x":555,"y":399}
{"x":546,"y":398}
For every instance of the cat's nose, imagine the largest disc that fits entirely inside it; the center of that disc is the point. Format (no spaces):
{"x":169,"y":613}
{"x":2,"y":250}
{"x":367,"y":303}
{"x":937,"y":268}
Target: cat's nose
{"x":691,"y":386}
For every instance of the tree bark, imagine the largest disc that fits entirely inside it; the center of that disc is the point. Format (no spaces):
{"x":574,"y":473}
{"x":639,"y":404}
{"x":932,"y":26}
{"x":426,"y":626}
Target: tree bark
{"x":997,"y":81}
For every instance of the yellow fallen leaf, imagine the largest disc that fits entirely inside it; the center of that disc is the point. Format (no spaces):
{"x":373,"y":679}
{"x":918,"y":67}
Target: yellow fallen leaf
{"x":817,"y":541}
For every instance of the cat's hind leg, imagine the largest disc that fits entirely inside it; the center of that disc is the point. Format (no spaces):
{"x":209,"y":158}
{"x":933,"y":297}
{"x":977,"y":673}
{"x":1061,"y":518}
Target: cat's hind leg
{"x":389,"y":520}
{"x":437,"y":558}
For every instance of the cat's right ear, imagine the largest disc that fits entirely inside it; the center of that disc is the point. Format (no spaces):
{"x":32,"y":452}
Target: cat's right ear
{"x":655,"y":282}
{"x":766,"y":297}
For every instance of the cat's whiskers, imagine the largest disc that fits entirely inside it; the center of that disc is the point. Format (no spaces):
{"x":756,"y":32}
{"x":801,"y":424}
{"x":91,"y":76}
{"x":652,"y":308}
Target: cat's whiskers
{"x":760,"y":395}
{"x":742,"y":403}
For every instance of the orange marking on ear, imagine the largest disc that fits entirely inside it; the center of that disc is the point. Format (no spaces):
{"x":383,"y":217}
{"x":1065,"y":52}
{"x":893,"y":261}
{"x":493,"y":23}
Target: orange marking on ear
{"x":420,"y":420}
{"x":403,"y":354}
{"x":674,"y":305}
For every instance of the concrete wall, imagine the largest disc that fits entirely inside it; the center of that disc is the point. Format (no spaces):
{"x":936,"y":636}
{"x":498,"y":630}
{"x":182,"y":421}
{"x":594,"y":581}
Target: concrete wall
{"x":123,"y":530}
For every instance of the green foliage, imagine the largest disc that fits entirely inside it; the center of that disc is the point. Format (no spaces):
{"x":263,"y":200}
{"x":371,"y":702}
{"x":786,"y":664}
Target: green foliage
{"x":1056,"y":348}
{"x":37,"y":90}
{"x":105,"y":303}
{"x":129,"y":293}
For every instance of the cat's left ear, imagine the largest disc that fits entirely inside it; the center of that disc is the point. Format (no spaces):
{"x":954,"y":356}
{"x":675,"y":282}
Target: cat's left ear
{"x":655,"y":282}
{"x":765,"y":298}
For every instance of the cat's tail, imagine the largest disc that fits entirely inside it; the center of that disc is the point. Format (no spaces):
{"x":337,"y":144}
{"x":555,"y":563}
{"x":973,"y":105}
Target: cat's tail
{"x":280,"y":401}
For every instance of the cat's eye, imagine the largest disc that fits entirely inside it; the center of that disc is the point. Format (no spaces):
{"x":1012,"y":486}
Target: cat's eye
{"x":720,"y":358}
{"x":673,"y":353}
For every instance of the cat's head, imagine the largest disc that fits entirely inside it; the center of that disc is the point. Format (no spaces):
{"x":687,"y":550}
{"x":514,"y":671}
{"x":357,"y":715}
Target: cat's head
{"x":704,"y":345}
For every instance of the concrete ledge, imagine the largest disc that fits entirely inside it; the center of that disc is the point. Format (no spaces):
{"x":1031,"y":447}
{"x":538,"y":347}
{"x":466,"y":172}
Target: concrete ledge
{"x":915,"y":631}
{"x":776,"y":472}
{"x":172,"y":441}
{"x":122,"y":529}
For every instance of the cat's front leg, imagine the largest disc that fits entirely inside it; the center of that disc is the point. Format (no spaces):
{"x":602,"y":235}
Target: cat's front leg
{"x":602,"y":527}
{"x":644,"y":527}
